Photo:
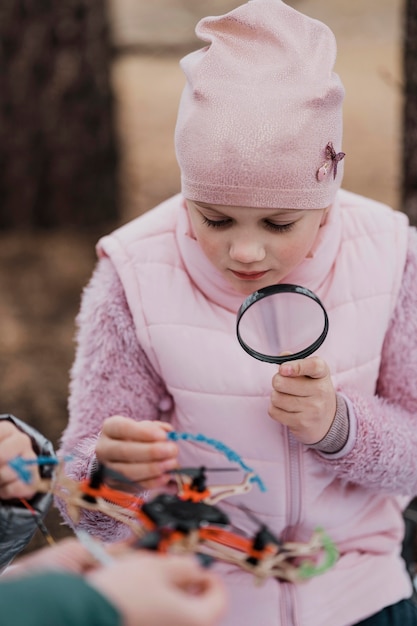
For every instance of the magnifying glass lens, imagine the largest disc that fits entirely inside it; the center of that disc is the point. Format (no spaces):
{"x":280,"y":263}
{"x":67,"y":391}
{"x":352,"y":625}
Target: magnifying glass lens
{"x":281,"y":323}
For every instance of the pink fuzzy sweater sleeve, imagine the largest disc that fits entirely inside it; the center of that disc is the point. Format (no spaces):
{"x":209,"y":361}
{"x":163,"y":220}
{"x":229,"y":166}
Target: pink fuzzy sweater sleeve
{"x":384,"y":454}
{"x":110,"y":375}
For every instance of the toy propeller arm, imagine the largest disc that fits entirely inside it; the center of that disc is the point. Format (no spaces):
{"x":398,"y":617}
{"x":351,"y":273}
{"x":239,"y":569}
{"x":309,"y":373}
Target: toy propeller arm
{"x":293,"y":561}
{"x":219,"y":492}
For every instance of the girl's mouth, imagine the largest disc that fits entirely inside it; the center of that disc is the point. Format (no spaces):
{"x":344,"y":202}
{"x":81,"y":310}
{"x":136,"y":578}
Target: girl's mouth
{"x":248,"y":275}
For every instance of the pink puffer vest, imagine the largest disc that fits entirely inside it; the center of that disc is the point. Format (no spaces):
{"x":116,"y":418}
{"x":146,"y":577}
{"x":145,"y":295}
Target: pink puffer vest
{"x":185,"y":316}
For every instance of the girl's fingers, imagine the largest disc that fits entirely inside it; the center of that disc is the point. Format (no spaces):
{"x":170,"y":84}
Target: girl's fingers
{"x":125,"y":428}
{"x":139,"y":450}
{"x":146,"y":473}
{"x":111,"y":450}
{"x":312,"y":367}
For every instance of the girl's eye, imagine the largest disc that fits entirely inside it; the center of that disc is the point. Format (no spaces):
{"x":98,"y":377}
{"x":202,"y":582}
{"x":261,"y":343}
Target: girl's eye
{"x":280,"y":228}
{"x":216,"y":223}
{"x":225,"y":222}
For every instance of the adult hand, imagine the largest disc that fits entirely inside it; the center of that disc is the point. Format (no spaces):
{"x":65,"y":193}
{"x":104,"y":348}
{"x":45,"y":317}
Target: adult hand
{"x":14,"y":443}
{"x":304,"y":399}
{"x":156,"y":590}
{"x":68,"y":554}
{"x":147,"y":589}
{"x":139,"y":450}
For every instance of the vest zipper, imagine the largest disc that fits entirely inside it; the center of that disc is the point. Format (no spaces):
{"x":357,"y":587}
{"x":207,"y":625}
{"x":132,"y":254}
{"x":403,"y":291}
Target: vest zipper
{"x":289,"y":615}
{"x":294,"y":489}
{"x":294,"y":482}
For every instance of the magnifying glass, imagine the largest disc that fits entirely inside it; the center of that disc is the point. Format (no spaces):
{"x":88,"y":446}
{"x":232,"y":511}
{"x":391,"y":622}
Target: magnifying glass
{"x":281,"y":323}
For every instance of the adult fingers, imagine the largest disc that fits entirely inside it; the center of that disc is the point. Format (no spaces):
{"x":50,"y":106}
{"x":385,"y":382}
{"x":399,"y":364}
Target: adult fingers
{"x":15,"y":444}
{"x":7,"y":428}
{"x":206,"y":597}
{"x":68,"y":554}
{"x":205,"y":603}
{"x":16,"y":489}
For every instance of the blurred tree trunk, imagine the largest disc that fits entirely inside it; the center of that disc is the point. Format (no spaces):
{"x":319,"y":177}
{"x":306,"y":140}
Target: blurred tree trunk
{"x":409,"y":165}
{"x":57,"y":143}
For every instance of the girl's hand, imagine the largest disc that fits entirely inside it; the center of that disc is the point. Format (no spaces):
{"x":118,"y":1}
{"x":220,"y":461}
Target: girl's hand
{"x":14,"y":443}
{"x":139,"y":450}
{"x":304,"y":399}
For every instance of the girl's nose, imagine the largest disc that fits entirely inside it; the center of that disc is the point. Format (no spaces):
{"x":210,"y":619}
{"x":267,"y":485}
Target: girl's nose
{"x":245,"y":251}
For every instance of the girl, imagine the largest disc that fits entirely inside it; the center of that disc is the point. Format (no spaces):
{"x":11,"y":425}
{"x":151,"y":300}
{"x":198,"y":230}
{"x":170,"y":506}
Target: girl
{"x":333,"y":436}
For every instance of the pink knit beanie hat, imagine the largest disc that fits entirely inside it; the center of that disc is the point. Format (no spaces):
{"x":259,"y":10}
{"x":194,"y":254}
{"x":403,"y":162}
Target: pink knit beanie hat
{"x":260,"y":118}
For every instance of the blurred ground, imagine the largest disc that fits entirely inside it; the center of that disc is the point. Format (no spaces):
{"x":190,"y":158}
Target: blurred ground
{"x":41,"y":276}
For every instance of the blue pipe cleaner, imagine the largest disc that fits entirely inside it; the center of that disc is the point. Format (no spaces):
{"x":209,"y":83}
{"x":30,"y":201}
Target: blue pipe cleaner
{"x":21,"y":465}
{"x":230,"y":454}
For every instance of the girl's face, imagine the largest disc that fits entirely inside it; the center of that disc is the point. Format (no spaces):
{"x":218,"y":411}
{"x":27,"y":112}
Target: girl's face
{"x":254,"y":247}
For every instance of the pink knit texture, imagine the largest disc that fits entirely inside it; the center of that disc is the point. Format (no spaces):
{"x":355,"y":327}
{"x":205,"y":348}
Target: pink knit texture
{"x":260,"y":105}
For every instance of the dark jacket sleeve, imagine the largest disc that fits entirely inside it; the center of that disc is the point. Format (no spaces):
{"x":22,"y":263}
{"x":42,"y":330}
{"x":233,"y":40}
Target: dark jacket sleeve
{"x":17,"y":523}
{"x":54,"y":598}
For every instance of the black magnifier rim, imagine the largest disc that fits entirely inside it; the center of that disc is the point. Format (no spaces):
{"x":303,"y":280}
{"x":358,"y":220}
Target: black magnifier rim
{"x":258,"y":295}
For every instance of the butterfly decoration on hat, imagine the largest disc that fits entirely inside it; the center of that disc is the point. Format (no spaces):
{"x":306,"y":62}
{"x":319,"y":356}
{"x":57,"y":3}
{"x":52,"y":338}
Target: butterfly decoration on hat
{"x":332,"y":160}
